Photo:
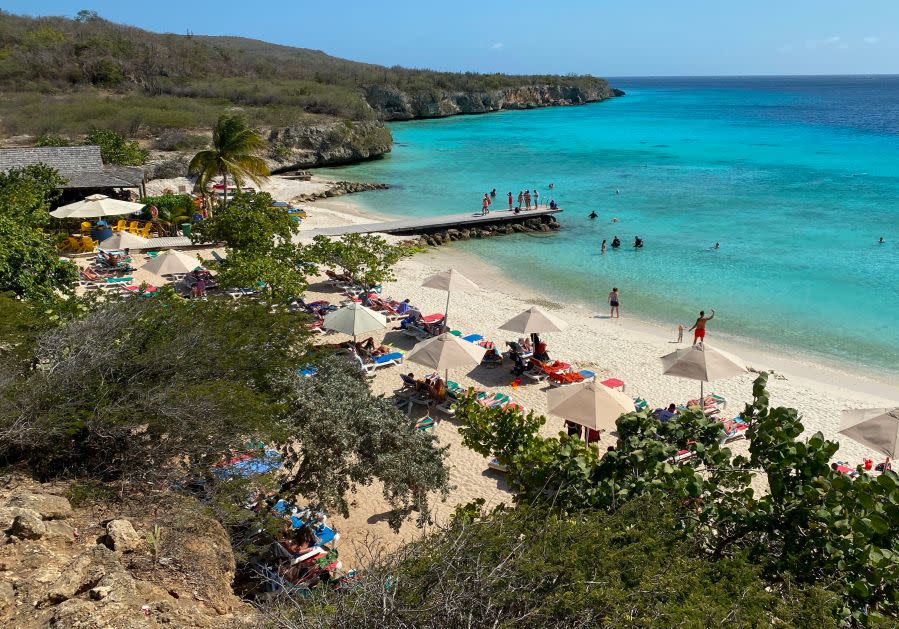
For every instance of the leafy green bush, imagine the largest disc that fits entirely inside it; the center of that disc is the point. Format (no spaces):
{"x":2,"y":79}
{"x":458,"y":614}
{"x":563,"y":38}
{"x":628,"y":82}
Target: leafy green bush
{"x":367,"y":258}
{"x":50,"y":139}
{"x":814,"y":523}
{"x":532,"y":567}
{"x":115,"y":149}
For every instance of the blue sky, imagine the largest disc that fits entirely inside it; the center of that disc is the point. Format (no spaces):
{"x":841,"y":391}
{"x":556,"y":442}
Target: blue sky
{"x":601,"y":37}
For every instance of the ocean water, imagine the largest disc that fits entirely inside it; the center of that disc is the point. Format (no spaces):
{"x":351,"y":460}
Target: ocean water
{"x":797,"y":178}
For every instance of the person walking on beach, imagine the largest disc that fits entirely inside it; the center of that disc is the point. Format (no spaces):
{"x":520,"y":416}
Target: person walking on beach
{"x":602,"y":247}
{"x":680,"y":333}
{"x":614,"y":301}
{"x":699,"y":326}
{"x":511,"y":202}
{"x":536,"y":196}
{"x":527,"y":199}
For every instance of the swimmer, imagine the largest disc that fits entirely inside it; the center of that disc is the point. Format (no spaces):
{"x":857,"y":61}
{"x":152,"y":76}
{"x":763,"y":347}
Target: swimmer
{"x":617,"y":191}
{"x":717,"y":245}
{"x":592,"y":215}
{"x":638,"y":242}
{"x":602,"y":247}
{"x":614,"y":219}
{"x":881,"y":241}
{"x":616,"y":242}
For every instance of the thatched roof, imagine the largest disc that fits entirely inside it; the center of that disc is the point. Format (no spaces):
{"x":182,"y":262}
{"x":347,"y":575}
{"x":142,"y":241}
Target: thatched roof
{"x":81,"y":165}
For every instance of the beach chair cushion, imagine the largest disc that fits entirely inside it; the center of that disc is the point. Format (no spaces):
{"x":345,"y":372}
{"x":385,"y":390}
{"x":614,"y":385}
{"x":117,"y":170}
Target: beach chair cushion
{"x":392,"y":357}
{"x":473,"y":338}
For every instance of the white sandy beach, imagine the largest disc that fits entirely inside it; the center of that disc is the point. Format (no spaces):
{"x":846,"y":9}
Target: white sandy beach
{"x":626,"y":348}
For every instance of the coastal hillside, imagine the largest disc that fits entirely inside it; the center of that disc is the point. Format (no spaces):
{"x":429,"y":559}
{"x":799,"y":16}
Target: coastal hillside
{"x":65,"y":76}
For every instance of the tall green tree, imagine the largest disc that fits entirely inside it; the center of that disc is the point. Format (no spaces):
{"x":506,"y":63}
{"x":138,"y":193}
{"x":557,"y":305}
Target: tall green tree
{"x":29,"y":263}
{"x":233,"y":154}
{"x":367,"y":258}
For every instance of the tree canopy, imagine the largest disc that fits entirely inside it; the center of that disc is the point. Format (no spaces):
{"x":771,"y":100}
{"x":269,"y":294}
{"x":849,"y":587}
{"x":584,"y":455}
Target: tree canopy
{"x":367,"y":258}
{"x":233,"y":154}
{"x":29,"y":262}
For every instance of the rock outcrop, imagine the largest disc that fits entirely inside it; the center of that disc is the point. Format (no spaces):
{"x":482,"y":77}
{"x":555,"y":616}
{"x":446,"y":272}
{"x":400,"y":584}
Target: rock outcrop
{"x":64,"y":568}
{"x":327,"y":144}
{"x":394,"y":104}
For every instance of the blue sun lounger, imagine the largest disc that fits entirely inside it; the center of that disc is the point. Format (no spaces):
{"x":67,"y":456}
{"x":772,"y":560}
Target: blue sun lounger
{"x":473,"y":338}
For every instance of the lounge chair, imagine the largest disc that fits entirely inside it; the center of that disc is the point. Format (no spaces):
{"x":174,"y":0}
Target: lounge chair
{"x":473,"y":338}
{"x":384,"y":360}
{"x":493,"y":400}
{"x":120,"y":226}
{"x":496,"y":466}
{"x":424,"y":423}
{"x":559,"y":379}
{"x":134,"y":227}
{"x":614,"y":383}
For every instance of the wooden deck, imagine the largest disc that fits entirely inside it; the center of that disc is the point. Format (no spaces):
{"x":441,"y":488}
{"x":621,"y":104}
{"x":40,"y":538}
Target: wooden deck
{"x":404,"y":226}
{"x":429,"y":223}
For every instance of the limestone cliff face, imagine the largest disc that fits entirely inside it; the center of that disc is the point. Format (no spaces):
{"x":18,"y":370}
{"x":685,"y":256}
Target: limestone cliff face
{"x":394,"y":104}
{"x":327,"y":144}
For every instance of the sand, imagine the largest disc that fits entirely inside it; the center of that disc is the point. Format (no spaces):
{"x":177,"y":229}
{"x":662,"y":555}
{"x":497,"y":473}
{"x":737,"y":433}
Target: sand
{"x":626,"y":348}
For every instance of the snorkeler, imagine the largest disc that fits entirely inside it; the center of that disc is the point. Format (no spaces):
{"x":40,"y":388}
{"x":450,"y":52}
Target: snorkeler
{"x":593,"y":215}
{"x":616,"y":242}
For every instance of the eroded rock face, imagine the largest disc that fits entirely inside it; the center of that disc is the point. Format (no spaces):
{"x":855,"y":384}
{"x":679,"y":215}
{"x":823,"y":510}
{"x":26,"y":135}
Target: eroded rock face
{"x":89,"y":568}
{"x":327,"y":144}
{"x":394,"y":104}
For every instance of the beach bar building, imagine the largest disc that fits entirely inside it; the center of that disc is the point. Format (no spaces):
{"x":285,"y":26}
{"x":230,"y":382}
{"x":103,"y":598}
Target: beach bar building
{"x":82,"y":166}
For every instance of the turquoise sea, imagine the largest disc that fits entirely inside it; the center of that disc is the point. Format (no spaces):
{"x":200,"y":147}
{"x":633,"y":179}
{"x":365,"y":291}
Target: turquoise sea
{"x":796,"y":177}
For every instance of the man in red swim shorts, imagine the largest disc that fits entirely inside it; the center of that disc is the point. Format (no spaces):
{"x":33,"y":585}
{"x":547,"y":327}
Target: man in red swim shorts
{"x":699,"y":326}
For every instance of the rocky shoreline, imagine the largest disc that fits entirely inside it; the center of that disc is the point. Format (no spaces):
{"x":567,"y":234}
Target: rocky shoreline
{"x":544,"y":223}
{"x":339,"y":188}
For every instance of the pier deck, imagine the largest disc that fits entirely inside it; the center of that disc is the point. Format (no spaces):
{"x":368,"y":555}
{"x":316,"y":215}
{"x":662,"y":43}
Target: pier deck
{"x":429,"y":223}
{"x":405,"y":226}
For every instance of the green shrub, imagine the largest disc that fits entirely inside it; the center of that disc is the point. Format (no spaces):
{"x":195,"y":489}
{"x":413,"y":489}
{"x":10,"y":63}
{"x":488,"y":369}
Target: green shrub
{"x":50,"y":139}
{"x":115,"y":149}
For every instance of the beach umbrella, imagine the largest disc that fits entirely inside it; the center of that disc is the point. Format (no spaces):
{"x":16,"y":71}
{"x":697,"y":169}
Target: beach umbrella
{"x":172,"y":262}
{"x":703,"y":363}
{"x":533,"y":320}
{"x":446,"y":352}
{"x":354,"y":319}
{"x":125,"y":240}
{"x":590,"y":404}
{"x":96,"y":206}
{"x":449,"y":281}
{"x":143,"y":276}
{"x":876,"y":428}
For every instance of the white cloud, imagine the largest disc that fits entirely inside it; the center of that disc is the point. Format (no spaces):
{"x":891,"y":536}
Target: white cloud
{"x":497,"y":46}
{"x":835,"y":40}
{"x":871,"y":39}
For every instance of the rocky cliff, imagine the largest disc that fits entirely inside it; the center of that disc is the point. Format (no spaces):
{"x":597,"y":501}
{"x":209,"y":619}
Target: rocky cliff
{"x":394,"y":104}
{"x":327,"y":144}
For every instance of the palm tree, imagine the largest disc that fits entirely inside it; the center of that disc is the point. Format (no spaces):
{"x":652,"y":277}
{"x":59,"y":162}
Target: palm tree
{"x":233,"y":150}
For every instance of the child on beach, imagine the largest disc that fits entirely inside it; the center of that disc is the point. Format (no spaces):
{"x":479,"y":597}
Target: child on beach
{"x":680,"y":333}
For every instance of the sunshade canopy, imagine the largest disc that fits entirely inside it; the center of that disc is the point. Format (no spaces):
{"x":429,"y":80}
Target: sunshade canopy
{"x":532,"y":320}
{"x":451,"y":280}
{"x":355,"y":319}
{"x":446,"y":351}
{"x":589,"y":404}
{"x":701,"y":362}
{"x":172,"y":262}
{"x":877,"y":428}
{"x":96,"y":206}
{"x":143,"y":276}
{"x":125,"y":240}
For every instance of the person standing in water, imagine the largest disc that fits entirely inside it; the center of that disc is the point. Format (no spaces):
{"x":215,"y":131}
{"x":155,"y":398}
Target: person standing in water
{"x":699,"y":326}
{"x":493,"y":193}
{"x":511,"y":202}
{"x":881,"y":241}
{"x":536,"y":196}
{"x":592,"y":215}
{"x":614,"y":301}
{"x":602,"y":247}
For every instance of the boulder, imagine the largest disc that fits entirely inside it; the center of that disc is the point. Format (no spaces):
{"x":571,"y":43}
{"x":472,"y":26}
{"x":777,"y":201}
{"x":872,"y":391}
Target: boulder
{"x":49,"y":506}
{"x":28,"y":526}
{"x":121,"y":536}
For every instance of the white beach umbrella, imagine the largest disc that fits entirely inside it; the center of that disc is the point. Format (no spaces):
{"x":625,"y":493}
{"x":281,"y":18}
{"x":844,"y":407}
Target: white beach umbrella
{"x":590,"y":404}
{"x":876,"y":428}
{"x":143,"y":276}
{"x":449,"y":281}
{"x":125,"y":240}
{"x":446,"y":352}
{"x":703,"y":363}
{"x":172,"y":262}
{"x":354,"y":319}
{"x":96,"y":206}
{"x":532,"y":320}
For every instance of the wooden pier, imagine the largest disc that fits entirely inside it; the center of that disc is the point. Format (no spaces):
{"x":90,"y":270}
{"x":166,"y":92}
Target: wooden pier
{"x":403,"y":227}
{"x":430,"y":224}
